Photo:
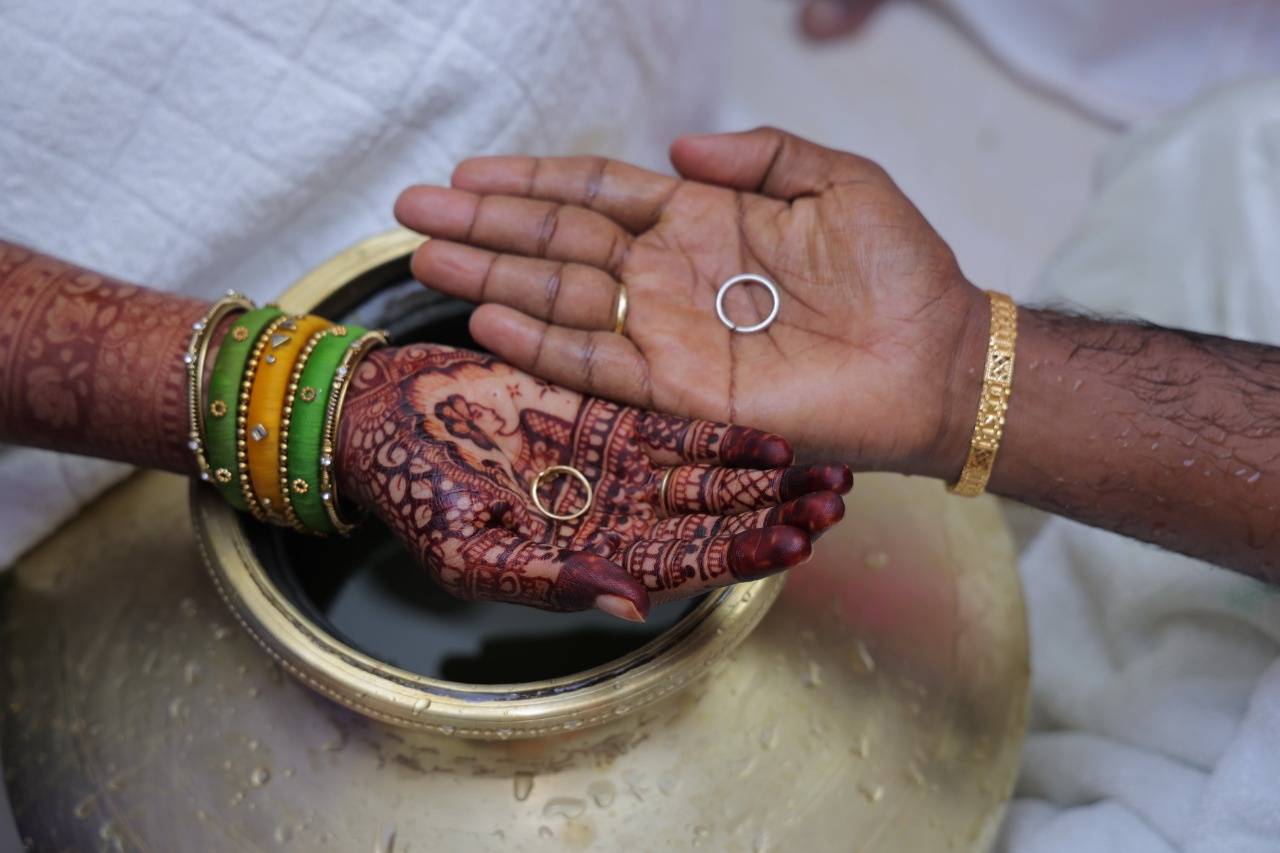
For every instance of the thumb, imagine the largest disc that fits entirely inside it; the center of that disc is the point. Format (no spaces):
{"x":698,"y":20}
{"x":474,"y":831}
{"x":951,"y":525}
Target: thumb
{"x":767,"y":161}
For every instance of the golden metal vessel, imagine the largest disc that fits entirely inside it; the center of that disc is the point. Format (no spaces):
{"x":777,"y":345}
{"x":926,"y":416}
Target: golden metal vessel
{"x":874,"y":699}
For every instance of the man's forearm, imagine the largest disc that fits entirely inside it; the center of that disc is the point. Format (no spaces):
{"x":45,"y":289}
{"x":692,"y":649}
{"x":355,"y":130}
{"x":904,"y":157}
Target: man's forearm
{"x":1161,"y":435}
{"x":91,"y":365}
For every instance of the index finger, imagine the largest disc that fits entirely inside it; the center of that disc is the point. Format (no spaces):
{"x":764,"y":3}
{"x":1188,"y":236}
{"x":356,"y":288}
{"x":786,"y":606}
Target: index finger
{"x":629,"y":195}
{"x":671,"y":440}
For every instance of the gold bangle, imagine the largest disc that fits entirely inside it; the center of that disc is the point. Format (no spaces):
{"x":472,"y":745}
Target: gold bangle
{"x":333,"y":412}
{"x":997,"y":386}
{"x":194,"y":358}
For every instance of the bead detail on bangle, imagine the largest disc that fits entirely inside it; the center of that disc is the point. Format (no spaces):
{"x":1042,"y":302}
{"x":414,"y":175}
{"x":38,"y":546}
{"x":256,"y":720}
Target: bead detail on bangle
{"x":300,"y":486}
{"x":307,"y":394}
{"x":218,"y":408}
{"x":259,"y":432}
{"x":222,"y":475}
{"x":240,"y":333}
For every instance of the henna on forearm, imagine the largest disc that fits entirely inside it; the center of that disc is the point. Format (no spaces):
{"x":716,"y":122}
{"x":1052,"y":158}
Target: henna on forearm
{"x":1162,"y":435}
{"x":91,"y":365}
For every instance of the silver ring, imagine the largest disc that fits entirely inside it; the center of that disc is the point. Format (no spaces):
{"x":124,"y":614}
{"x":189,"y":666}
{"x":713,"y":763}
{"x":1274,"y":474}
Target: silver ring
{"x":757,"y":279}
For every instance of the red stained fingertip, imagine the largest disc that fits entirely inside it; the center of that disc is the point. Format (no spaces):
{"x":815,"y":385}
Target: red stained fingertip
{"x":743,"y":447}
{"x":587,"y":580}
{"x":831,"y":477}
{"x":815,"y":512}
{"x":764,"y":552}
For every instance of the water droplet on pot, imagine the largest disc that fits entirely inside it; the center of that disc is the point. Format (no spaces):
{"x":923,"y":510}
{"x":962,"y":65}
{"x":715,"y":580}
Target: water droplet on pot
{"x":85,"y":807}
{"x":259,"y":777}
{"x":420,"y":706}
{"x":522,"y":785}
{"x":602,"y":793}
{"x":814,"y":677}
{"x":876,"y":560}
{"x":566,"y":807}
{"x":860,"y":658}
{"x":769,"y":735}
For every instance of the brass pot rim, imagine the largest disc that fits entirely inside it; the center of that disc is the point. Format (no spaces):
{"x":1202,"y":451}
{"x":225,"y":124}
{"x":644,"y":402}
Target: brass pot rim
{"x":399,"y":697}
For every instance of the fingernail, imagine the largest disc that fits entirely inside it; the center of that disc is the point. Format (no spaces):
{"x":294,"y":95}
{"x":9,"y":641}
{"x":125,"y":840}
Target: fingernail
{"x":616,"y":605}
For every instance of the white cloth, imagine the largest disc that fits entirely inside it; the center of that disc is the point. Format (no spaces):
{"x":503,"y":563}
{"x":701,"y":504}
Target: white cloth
{"x":1130,"y":60}
{"x":196,"y":145}
{"x":1155,"y":682}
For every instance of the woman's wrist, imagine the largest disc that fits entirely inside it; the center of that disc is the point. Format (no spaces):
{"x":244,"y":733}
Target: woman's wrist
{"x":346,"y":456}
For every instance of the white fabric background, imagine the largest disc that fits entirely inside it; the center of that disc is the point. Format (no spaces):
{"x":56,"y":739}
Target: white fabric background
{"x":1128,"y":60}
{"x":197,"y":145}
{"x":1155,"y":681}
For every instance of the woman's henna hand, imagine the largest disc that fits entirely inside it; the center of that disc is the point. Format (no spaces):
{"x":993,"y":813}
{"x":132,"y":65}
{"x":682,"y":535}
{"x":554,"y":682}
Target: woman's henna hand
{"x":866,"y":361}
{"x":442,"y":445}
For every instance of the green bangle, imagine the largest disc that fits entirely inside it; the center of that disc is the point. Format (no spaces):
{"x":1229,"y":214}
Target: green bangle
{"x":224,"y":395}
{"x":307,"y":406}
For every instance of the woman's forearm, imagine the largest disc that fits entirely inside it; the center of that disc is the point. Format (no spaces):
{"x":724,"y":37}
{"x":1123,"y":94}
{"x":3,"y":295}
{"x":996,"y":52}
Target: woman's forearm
{"x":91,"y":365}
{"x":1162,"y":435}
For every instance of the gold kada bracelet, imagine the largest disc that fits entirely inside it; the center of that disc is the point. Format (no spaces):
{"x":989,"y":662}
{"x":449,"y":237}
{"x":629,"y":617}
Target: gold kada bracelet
{"x":997,"y":386}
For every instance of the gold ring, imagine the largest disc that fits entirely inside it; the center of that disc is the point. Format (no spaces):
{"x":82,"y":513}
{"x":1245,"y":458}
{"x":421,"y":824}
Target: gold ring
{"x":620,"y":310}
{"x":561,"y":469}
{"x":662,"y":491}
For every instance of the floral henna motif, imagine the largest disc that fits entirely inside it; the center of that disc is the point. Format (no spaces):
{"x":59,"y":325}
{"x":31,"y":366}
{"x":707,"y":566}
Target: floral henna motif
{"x":443,"y":445}
{"x":92,"y":365}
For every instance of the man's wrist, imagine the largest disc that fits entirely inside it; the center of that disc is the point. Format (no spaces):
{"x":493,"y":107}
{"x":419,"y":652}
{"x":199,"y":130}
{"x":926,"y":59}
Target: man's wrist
{"x":945,"y":456}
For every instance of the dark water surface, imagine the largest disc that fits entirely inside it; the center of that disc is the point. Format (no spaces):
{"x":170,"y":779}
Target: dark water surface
{"x":368,"y":593}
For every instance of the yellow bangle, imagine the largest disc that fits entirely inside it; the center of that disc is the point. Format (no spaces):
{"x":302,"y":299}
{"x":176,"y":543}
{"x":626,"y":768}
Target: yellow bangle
{"x":281,"y":346}
{"x":997,"y":386}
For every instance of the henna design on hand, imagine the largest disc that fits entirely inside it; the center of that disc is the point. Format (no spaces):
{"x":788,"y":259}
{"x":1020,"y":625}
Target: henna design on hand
{"x":442,"y":445}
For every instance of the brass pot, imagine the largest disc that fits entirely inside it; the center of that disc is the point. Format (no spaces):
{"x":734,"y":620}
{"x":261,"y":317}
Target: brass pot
{"x":873,"y":699}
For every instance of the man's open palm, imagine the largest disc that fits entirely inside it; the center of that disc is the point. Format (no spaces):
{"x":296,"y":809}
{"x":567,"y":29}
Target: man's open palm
{"x":866,"y":285}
